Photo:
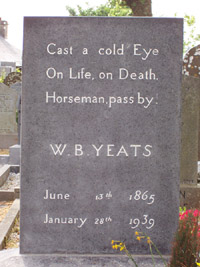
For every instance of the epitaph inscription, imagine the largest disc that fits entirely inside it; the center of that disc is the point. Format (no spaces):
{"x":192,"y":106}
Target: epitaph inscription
{"x":100,"y":133}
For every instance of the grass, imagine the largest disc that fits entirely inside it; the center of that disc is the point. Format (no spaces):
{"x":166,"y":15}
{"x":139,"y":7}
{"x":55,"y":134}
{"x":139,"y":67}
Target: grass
{"x":13,"y":239}
{"x":4,"y":208}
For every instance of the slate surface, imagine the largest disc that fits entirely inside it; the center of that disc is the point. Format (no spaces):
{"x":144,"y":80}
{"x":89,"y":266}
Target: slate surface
{"x":118,"y":166}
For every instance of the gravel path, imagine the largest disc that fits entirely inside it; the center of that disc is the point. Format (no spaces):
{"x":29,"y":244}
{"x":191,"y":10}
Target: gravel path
{"x":12,"y":182}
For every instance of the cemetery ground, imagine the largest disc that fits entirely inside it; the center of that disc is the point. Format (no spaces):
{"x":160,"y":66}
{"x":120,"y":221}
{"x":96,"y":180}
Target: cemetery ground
{"x":9,"y":207}
{"x":12,"y":241}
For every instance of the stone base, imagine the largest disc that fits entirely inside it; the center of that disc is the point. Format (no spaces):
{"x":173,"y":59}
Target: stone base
{"x":7,"y":140}
{"x":190,"y":196}
{"x":11,"y":257}
{"x":4,"y":172}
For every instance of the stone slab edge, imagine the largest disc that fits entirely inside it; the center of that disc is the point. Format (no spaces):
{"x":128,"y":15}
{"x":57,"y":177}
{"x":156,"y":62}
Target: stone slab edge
{"x":13,"y":168}
{"x":8,"y":195}
{"x":8,"y":222}
{"x":12,"y":257}
{"x":4,"y":172}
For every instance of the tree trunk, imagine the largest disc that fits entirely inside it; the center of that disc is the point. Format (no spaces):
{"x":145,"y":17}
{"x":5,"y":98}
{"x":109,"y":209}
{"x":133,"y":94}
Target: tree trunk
{"x":140,"y":7}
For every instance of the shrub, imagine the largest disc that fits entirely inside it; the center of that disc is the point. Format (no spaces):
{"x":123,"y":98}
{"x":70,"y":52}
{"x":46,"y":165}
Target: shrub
{"x":186,"y":245}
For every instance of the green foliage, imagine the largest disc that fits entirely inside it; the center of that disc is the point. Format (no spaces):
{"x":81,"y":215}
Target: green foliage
{"x":181,"y":210}
{"x":139,"y":236}
{"x":191,"y":37}
{"x":186,"y":245}
{"x":112,"y":8}
{"x":2,"y":77}
{"x":121,"y":8}
{"x":138,"y":7}
{"x":17,"y":116}
{"x":18,"y":70}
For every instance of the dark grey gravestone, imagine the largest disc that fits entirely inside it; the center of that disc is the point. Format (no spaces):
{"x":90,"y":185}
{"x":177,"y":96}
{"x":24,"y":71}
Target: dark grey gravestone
{"x":100,"y":133}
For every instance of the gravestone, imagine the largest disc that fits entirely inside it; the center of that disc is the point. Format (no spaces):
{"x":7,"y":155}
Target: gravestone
{"x":8,"y":125}
{"x":18,"y":87}
{"x":100,"y":133}
{"x":190,"y":140}
{"x":189,"y":189}
{"x":190,"y":129}
{"x":191,"y":67}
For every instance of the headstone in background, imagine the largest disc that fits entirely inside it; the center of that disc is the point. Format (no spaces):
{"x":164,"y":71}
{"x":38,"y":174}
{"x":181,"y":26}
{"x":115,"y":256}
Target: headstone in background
{"x":8,"y":125}
{"x":14,"y":155}
{"x":190,"y":129}
{"x":190,"y":196}
{"x":18,"y":87}
{"x":6,"y":67}
{"x":101,"y":133}
{"x":190,"y":143}
{"x":191,"y":67}
{"x":19,"y":108}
